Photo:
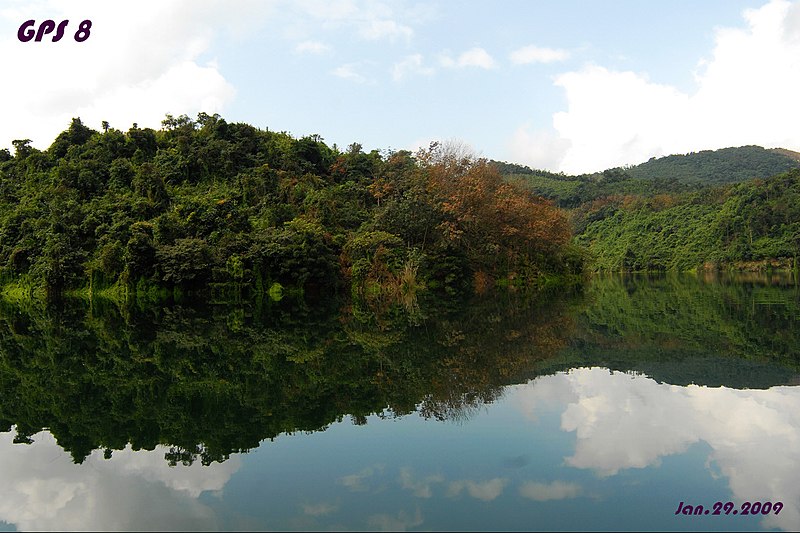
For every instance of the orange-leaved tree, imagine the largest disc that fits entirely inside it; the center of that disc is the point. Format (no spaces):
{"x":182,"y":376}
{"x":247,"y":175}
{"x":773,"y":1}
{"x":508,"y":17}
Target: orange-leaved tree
{"x":502,"y":228}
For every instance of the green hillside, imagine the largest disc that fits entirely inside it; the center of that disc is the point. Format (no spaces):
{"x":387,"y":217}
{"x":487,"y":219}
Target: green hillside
{"x":747,"y":225}
{"x":665,"y":175}
{"x":727,"y":165}
{"x":729,"y":207}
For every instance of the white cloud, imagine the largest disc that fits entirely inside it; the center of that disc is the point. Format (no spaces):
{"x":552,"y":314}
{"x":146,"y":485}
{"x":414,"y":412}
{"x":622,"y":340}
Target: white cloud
{"x":312,"y":47}
{"x":43,"y":490}
{"x":423,"y":143}
{"x":369,"y":20}
{"x":615,"y":118}
{"x":136,"y":66}
{"x":421,"y":488}
{"x":358,"y":482}
{"x":385,"y":29}
{"x":350,"y":72}
{"x":536,"y":54}
{"x":485,"y":490}
{"x":623,"y":421}
{"x":410,"y":65}
{"x":474,"y":57}
{"x":557,"y":490}
{"x":541,"y":149}
{"x":745,"y":94}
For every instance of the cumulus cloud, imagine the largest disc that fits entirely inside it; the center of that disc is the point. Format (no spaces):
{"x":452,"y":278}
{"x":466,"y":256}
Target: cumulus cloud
{"x":536,"y":54}
{"x":540,"y":148}
{"x":136,"y":66}
{"x":623,"y":421}
{"x":382,"y":29}
{"x":745,"y":94}
{"x":410,"y":65}
{"x":474,"y":57}
{"x":43,"y":490}
{"x":350,"y":72}
{"x":141,"y":63}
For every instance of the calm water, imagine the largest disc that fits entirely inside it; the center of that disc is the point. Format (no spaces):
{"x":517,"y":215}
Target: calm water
{"x":601,"y":411}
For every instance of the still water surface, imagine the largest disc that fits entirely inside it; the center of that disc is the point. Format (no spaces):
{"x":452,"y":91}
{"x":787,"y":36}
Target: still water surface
{"x":601,"y":411}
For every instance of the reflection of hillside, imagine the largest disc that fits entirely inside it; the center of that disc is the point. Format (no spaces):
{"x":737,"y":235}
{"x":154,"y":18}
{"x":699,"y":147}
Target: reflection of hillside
{"x":681,"y":330}
{"x":209,"y":382}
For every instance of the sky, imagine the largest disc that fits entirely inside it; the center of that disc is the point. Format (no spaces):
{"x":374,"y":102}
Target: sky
{"x":564,"y":85}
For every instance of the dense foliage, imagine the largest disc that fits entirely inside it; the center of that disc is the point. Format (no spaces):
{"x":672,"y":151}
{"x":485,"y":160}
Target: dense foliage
{"x":666,"y":175}
{"x":205,"y":202}
{"x":735,"y":207}
{"x":711,"y":167}
{"x":754,"y":222}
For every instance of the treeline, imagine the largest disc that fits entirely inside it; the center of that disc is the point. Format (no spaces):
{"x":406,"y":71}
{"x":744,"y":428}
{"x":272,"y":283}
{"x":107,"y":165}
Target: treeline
{"x":205,"y":202}
{"x":571,"y":192}
{"x":714,"y":167}
{"x":666,"y":175}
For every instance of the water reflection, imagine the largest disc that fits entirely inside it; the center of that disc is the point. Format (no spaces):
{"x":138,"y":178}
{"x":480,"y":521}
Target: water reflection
{"x":43,"y":489}
{"x":211,"y":382}
{"x":598,"y":410}
{"x":623,"y":421}
{"x":589,"y":448}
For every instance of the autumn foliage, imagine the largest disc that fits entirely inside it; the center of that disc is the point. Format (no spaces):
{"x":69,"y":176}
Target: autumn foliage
{"x":501,"y":227}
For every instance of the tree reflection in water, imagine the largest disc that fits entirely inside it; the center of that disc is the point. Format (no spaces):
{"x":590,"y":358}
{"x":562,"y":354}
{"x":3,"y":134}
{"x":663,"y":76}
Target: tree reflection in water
{"x":208,"y":381}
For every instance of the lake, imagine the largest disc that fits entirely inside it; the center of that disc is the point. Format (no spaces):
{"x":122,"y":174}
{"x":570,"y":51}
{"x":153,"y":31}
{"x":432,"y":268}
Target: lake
{"x":609,"y":408}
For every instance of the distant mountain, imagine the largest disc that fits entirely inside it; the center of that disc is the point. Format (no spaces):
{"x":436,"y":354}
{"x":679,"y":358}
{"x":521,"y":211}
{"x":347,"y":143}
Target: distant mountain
{"x":727,"y":165}
{"x":666,"y":175}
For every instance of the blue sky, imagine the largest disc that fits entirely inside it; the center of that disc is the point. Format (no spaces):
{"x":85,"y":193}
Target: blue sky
{"x":571,"y":86}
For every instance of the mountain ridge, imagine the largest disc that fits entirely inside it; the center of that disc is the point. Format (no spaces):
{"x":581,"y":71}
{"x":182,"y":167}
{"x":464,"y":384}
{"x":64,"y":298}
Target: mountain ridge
{"x":755,"y":158}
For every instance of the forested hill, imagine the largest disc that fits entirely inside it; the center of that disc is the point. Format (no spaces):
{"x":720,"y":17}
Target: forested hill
{"x":735,"y":207}
{"x":667,"y":175}
{"x":203,"y":203}
{"x":712,"y":167}
{"x":726,"y":165}
{"x":749,"y":225}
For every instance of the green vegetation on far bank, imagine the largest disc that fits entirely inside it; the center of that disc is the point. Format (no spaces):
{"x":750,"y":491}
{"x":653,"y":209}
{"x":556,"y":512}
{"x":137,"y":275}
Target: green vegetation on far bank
{"x":754,"y":224}
{"x":735,"y":208}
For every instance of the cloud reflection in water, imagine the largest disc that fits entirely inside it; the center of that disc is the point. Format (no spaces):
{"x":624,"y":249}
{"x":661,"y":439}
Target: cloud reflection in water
{"x":624,"y":421}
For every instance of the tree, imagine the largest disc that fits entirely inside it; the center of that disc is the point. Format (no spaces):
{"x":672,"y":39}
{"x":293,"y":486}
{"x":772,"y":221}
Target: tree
{"x":22,"y":148}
